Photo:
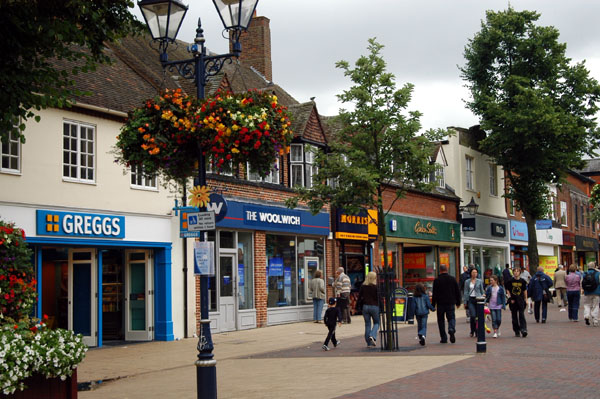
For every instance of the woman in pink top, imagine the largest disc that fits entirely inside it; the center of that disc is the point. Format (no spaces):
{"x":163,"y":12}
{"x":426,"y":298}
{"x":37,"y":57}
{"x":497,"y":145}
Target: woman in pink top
{"x":573,"y":281}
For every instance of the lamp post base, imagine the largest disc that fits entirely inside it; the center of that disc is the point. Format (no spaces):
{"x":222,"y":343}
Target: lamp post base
{"x":206,"y":379}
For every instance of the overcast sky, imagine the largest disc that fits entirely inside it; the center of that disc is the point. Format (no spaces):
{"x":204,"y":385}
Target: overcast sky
{"x":424,"y":42}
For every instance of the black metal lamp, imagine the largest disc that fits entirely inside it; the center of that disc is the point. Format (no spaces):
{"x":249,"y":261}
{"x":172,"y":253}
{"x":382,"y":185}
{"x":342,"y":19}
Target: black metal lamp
{"x":163,"y":17}
{"x":471,"y":208}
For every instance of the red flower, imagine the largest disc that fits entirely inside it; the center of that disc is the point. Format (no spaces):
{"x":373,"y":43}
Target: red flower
{"x":45,"y":317}
{"x":16,"y":327}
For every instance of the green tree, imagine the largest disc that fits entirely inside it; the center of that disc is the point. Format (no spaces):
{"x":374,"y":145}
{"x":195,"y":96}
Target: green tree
{"x":375,"y":147}
{"x":36,"y":33}
{"x":537,"y":107}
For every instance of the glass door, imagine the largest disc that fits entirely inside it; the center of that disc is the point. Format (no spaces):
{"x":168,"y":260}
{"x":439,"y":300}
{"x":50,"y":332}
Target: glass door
{"x":228,"y":290}
{"x":83,"y":294}
{"x":138,"y":296}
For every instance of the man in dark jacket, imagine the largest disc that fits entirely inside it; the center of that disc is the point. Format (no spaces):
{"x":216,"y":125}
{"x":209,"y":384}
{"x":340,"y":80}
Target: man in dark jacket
{"x":506,"y":276}
{"x":539,"y":292}
{"x":446,"y":295}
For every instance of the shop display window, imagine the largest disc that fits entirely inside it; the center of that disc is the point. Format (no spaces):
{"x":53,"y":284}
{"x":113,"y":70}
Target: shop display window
{"x":419,"y":267}
{"x":281,"y":271}
{"x":245,"y":271}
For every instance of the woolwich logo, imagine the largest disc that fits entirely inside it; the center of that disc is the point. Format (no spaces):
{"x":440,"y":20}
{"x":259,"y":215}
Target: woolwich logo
{"x":80,"y":224}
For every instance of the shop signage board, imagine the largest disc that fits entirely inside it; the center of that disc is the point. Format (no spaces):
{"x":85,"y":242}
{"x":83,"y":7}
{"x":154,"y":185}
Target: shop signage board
{"x":424,"y":229}
{"x":583,"y":243}
{"x":468,"y":224}
{"x":543,"y":224}
{"x":204,"y":258}
{"x":549,"y":263}
{"x":518,"y":231}
{"x":498,"y":229}
{"x":201,"y":221}
{"x":272,"y":218}
{"x":361,"y":227}
{"x":75,"y":224}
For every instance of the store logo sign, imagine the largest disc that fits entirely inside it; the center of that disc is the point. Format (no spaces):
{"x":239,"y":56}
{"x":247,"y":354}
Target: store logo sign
{"x":71,"y":224}
{"x":428,"y":228}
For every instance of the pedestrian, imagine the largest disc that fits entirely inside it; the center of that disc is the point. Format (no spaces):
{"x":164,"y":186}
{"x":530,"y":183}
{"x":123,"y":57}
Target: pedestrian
{"x":316,"y":289}
{"x":591,"y":294}
{"x":331,"y":318}
{"x":367,"y":295}
{"x":527,"y":277}
{"x":560,"y":287}
{"x":538,"y":290}
{"x":506,"y":275}
{"x":473,"y":289}
{"x":495,"y":297}
{"x":446,"y":296}
{"x":422,"y":306}
{"x":342,"y":286}
{"x":517,"y":291}
{"x":461,"y":285}
{"x":573,"y":282}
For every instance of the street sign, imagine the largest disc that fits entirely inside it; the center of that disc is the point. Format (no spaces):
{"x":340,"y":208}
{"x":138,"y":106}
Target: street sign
{"x":201,"y":221}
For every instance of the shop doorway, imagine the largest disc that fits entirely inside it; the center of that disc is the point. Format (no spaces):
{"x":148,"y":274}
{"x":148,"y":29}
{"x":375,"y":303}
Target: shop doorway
{"x":139,"y":293}
{"x":227,"y":286}
{"x":82,"y":294}
{"x":311,"y":265}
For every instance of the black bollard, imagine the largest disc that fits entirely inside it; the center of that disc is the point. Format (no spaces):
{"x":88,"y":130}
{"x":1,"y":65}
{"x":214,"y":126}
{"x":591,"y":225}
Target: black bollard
{"x":481,"y":344}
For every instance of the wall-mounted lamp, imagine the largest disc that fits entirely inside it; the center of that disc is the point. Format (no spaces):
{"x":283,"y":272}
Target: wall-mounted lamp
{"x":471,"y":208}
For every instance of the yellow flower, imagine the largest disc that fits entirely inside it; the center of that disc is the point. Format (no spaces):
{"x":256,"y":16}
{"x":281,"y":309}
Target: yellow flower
{"x":235,"y":150}
{"x":200,"y":196}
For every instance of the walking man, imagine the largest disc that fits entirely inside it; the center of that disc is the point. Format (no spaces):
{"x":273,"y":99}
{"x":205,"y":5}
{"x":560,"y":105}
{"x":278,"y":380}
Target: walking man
{"x":342,"y":287}
{"x":539,"y":292}
{"x":591,"y":294}
{"x":561,"y":287}
{"x":446,"y":295}
{"x":516,"y":287}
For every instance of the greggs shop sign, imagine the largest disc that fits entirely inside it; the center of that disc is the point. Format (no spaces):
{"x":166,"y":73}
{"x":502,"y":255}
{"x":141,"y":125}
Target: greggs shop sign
{"x":71,"y":224}
{"x":362,"y":226}
{"x":423,"y":229}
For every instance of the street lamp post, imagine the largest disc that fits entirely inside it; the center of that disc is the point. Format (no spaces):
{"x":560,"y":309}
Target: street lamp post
{"x":164,"y":18}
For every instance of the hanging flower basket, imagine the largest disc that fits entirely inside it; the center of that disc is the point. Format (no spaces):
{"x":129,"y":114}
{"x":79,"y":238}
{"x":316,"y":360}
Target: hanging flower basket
{"x":166,"y":134}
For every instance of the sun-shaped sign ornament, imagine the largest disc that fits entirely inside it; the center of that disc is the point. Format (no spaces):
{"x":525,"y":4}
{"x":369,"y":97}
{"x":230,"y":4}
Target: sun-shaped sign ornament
{"x":200,"y":196}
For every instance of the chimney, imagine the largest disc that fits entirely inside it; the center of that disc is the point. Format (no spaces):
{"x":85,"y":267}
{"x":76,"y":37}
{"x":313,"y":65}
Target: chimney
{"x":256,"y":46}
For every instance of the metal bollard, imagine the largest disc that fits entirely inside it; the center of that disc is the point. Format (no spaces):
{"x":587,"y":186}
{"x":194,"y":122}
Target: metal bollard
{"x":481,"y":344}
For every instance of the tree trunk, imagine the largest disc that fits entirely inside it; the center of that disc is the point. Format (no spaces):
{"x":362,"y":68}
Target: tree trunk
{"x":532,"y":247}
{"x":388,"y":276}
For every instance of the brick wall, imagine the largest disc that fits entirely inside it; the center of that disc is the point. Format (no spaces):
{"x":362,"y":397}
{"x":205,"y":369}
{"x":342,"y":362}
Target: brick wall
{"x":260,"y":278}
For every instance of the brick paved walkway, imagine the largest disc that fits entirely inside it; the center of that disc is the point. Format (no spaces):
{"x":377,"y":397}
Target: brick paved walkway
{"x":558,"y":359}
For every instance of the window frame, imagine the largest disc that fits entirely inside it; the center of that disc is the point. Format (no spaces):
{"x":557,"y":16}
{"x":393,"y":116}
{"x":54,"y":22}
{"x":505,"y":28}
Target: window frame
{"x":79,"y":153}
{"x":564,"y":223}
{"x":469,"y":182}
{"x":273,"y":177}
{"x":493,"y":169}
{"x":13,"y":138}
{"x":148,"y":182}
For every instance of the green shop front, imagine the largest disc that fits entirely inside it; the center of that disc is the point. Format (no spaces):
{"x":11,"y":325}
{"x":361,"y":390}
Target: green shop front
{"x":418,"y":246}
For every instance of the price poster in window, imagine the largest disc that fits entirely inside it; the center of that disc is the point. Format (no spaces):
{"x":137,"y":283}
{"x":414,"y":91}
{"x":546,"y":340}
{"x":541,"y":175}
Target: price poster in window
{"x":204,"y":258}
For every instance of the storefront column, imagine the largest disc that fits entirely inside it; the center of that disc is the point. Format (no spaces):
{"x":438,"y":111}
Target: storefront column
{"x":39,"y":284}
{"x":163,"y":312}
{"x":260,"y":277}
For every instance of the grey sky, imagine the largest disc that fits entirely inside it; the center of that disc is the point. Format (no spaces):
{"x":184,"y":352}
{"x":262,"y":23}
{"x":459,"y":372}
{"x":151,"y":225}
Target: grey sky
{"x":424,"y":42}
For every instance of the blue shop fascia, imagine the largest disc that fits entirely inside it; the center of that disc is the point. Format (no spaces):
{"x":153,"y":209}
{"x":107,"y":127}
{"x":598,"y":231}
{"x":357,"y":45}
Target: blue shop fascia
{"x":265,"y":257}
{"x":105,"y":276}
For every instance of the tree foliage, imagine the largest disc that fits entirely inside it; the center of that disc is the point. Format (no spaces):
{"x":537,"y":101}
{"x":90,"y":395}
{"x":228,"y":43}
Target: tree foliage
{"x":37,"y":32}
{"x":375,"y":147}
{"x":537,"y":107}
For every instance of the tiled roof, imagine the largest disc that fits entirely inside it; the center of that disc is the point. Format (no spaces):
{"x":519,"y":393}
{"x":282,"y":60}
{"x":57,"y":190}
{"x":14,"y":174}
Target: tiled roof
{"x":301,"y":114}
{"x":591,"y":166}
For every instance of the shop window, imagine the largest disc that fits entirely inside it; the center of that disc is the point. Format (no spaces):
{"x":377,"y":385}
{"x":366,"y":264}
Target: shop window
{"x":79,"y":152}
{"x":245,"y":271}
{"x":281,"y":271}
{"x":310,"y":259}
{"x":469,"y":173}
{"x":576,"y":216}
{"x":226,"y":239}
{"x":11,"y":154}
{"x":419,"y":267}
{"x":139,"y":179}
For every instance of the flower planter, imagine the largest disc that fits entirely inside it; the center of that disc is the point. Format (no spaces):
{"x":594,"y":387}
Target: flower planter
{"x":40,"y":387}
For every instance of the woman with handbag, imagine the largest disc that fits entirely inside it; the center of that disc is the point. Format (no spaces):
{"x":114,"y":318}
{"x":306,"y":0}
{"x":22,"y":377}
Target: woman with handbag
{"x":367,"y":296}
{"x":539,"y":291}
{"x":472,"y":290}
{"x":317,"y":290}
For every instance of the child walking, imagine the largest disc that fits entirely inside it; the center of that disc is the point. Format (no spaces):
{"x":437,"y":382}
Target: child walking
{"x":496,"y":300}
{"x":332,"y":315}
{"x":422,"y":308}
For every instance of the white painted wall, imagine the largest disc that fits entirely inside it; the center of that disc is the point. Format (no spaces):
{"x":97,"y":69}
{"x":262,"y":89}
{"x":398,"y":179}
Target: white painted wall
{"x":40,"y":185}
{"x":455,"y":174}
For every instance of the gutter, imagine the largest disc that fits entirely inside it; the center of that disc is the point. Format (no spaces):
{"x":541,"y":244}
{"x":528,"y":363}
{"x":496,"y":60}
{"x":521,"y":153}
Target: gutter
{"x":103,"y":110}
